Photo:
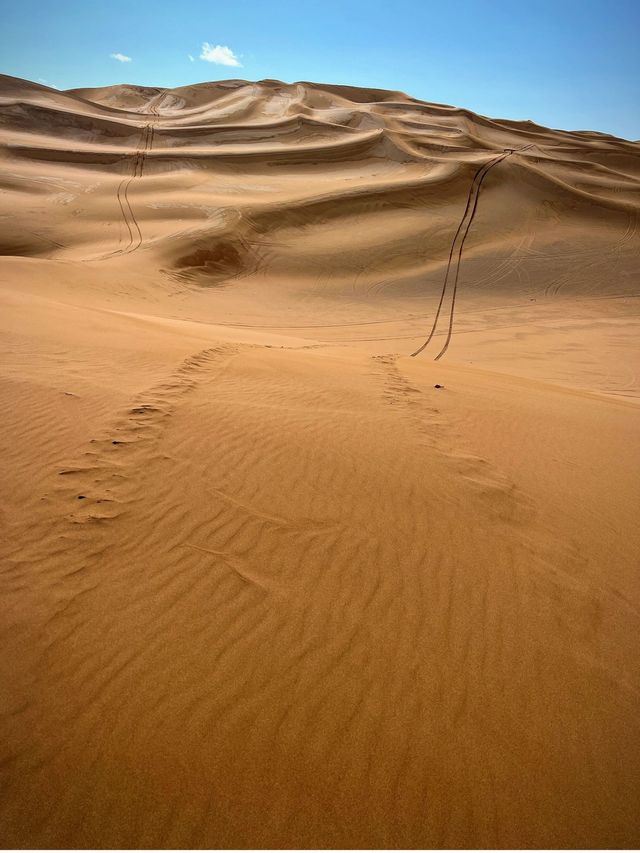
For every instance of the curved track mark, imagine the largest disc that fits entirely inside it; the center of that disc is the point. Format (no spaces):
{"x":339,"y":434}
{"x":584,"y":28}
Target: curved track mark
{"x":129,"y":217}
{"x":459,"y":241}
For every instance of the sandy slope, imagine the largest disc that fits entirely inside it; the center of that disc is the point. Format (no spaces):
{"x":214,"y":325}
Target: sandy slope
{"x":263,"y":584}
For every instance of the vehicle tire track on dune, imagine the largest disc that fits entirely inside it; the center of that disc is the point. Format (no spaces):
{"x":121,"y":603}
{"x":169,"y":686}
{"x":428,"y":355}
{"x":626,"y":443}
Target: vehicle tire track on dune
{"x":611,"y":258}
{"x":122,"y":193}
{"x":463,"y":229}
{"x":124,"y":203}
{"x":457,"y":246}
{"x":507,"y":266}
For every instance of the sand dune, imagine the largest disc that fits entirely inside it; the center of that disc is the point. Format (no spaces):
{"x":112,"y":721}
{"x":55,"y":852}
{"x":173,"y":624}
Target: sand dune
{"x":320,"y":441}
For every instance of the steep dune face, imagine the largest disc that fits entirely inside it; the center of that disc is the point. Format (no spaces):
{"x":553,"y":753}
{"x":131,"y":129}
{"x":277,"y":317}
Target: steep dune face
{"x":320,"y":432}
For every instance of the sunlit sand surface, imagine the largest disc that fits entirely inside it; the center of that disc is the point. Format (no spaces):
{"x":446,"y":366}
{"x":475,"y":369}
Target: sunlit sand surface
{"x":264,"y":582}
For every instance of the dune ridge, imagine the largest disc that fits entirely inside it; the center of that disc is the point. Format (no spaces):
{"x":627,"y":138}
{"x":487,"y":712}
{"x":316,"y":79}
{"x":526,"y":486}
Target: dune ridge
{"x":320,"y":438}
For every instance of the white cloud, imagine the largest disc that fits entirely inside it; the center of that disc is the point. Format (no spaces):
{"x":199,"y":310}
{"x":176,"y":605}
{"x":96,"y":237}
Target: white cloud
{"x":47,"y":83}
{"x":120,"y":57}
{"x":191,"y":59}
{"x":219,"y":54}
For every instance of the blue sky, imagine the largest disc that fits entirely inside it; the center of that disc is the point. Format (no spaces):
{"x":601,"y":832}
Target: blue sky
{"x":567,"y":64}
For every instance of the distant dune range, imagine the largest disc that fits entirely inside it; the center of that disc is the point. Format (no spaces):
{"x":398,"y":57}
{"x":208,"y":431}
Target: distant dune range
{"x":321,"y":462}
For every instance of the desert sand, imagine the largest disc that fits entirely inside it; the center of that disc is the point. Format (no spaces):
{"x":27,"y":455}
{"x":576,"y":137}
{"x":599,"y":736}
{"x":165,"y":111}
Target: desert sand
{"x":264,"y":583}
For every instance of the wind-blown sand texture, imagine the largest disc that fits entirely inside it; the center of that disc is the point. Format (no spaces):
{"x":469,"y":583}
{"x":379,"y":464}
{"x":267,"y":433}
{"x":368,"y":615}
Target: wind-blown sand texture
{"x":263,"y":582}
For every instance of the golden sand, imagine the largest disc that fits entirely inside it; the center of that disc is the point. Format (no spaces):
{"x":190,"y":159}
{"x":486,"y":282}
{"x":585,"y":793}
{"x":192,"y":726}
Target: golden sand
{"x":264,"y":584}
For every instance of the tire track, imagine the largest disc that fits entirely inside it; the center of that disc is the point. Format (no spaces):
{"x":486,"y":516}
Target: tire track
{"x":129,"y":217}
{"x":130,"y":221}
{"x":457,"y":247}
